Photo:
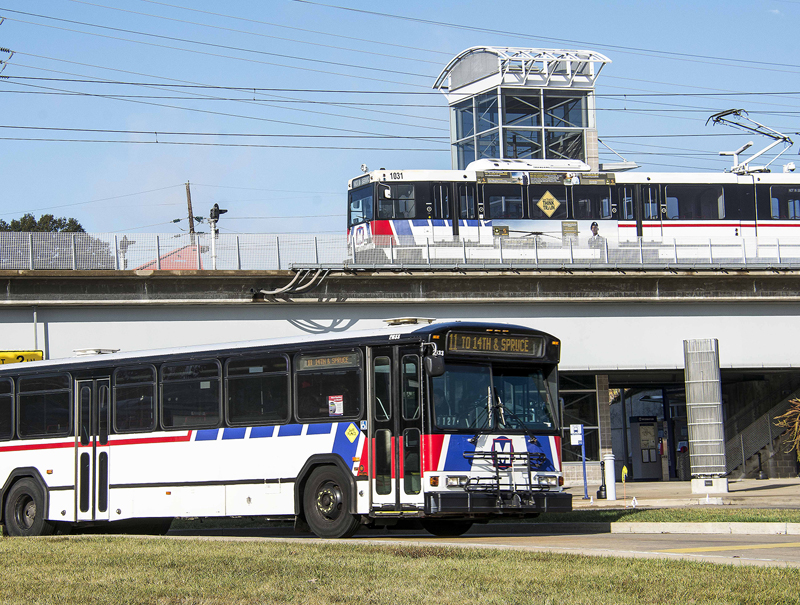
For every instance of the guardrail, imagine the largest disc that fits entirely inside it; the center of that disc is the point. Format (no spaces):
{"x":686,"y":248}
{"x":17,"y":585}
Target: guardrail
{"x":264,"y":252}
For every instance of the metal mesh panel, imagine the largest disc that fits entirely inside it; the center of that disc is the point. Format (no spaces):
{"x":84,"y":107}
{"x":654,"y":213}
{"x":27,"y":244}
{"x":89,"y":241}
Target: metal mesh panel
{"x":704,"y":408}
{"x":143,"y":251}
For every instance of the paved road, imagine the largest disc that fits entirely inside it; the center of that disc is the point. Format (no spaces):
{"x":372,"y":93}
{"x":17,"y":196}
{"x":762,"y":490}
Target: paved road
{"x":781,"y":551}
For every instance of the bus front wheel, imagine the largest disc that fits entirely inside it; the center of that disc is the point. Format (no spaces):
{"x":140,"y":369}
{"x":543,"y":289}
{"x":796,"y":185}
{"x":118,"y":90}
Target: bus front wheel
{"x":24,"y":512}
{"x":326,"y":503}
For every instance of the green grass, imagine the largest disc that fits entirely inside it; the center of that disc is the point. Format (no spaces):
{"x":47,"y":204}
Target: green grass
{"x":676,"y":515}
{"x":102,"y":570}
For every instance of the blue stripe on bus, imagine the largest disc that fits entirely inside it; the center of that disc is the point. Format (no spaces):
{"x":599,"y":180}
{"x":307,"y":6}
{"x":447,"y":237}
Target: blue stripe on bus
{"x":290,"y":430}
{"x":342,"y":445}
{"x":319,"y":429}
{"x":237,"y":433}
{"x":543,"y":448}
{"x":455,"y":460}
{"x":206,"y":435}
{"x":261,"y":431}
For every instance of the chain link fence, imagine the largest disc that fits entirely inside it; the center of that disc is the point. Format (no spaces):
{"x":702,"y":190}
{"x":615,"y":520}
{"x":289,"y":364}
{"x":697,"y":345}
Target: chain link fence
{"x":264,"y":252}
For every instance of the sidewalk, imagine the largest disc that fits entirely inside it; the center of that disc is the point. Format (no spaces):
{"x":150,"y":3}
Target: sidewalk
{"x":744,"y":493}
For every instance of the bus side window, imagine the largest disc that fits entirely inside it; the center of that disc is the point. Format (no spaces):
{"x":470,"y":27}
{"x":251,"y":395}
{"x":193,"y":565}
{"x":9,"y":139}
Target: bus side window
{"x":134,"y":399}
{"x":328,"y":387}
{"x":257,"y":390}
{"x":6,"y":409}
{"x":45,"y":406}
{"x":191,"y":394}
{"x":591,"y":201}
{"x":548,"y":201}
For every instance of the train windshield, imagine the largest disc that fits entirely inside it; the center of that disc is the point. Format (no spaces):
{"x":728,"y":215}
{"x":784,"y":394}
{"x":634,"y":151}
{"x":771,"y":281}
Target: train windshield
{"x":360,"y":206}
{"x":479,"y":397}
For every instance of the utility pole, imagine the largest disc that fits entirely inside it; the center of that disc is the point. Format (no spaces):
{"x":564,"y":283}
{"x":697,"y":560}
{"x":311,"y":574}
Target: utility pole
{"x":191,"y":214}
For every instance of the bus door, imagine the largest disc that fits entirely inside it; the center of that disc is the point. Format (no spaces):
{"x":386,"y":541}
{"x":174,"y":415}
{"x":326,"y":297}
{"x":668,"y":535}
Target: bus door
{"x":396,"y":430}
{"x":91,"y":472}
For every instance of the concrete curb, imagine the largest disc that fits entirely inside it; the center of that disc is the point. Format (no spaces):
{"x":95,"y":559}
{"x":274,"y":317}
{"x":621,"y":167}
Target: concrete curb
{"x":774,"y":529}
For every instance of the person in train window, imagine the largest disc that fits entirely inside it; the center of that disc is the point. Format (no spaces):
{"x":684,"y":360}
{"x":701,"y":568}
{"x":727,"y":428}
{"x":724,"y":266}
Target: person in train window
{"x":596,"y":241}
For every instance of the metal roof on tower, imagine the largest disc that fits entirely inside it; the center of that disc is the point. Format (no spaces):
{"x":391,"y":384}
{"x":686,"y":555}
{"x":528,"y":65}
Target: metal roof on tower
{"x":522,"y":67}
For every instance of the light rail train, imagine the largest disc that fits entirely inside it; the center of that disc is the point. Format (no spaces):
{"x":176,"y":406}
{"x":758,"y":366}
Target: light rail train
{"x":555,"y":199}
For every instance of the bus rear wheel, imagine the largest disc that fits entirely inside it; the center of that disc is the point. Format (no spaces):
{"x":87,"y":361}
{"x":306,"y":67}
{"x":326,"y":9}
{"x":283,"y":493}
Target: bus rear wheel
{"x":24,"y":512}
{"x":446,"y":528}
{"x":326,"y":504}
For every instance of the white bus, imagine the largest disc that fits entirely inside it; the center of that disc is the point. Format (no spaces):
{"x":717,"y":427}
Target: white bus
{"x":444,"y":424}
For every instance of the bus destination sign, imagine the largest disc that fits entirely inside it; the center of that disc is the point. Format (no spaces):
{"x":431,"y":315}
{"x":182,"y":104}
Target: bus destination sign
{"x":495,"y":344}
{"x":20,"y":356}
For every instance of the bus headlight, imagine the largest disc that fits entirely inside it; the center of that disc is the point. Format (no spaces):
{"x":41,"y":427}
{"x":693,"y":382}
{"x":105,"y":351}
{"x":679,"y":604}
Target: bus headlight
{"x":457,"y":481}
{"x":547,"y":480}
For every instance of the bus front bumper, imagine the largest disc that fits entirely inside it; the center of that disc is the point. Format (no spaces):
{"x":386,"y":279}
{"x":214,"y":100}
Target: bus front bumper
{"x":503,"y":503}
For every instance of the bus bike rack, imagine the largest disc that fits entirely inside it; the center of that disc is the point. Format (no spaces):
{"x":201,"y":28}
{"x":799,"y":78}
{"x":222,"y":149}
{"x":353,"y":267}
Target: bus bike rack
{"x":510,"y":462}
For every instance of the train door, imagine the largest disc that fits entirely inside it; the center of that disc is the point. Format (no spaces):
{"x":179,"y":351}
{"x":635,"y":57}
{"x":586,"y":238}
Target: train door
{"x":651,"y":210}
{"x":396,"y":430}
{"x":466,"y":223}
{"x":91,"y":472}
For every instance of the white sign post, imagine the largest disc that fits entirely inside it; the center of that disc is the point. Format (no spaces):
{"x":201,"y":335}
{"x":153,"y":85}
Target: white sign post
{"x":576,"y":438}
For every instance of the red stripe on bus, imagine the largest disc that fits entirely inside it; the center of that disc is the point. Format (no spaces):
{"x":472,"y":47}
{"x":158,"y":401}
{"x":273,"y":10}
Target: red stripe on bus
{"x":36,"y":446}
{"x":432,"y":451}
{"x":50,"y":446}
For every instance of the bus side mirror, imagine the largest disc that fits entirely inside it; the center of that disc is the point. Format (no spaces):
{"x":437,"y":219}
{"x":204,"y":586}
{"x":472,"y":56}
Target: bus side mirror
{"x":434,"y":366}
{"x":385,"y":191}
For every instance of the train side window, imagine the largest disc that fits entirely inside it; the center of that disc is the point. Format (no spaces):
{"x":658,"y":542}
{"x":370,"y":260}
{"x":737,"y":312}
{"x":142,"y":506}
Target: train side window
{"x":591,"y":201}
{"x":503,"y":201}
{"x":134,"y":406}
{"x":191,"y":394}
{"x":626,"y":203}
{"x":400,"y":204}
{"x":328,"y":387}
{"x":257,"y":390}
{"x":694,"y":202}
{"x":739,"y":202}
{"x":45,"y":406}
{"x":6,"y":409}
{"x":785,"y":202}
{"x":547,"y":201}
{"x":650,"y":202}
{"x":466,"y":202}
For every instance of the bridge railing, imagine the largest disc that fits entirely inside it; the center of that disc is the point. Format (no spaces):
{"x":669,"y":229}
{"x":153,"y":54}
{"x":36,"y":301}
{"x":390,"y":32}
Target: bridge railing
{"x":264,"y":252}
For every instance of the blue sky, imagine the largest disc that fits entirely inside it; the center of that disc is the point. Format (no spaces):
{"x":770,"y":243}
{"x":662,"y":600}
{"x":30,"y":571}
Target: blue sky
{"x":275,"y":51}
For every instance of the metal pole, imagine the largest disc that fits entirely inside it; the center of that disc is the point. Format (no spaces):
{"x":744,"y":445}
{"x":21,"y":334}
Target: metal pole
{"x":606,"y":249}
{"x":213,"y":243}
{"x":35,"y":329}
{"x":571,"y":257}
{"x":778,"y":241}
{"x":428,"y":249}
{"x":675,"y":249}
{"x":500,"y":241}
{"x":158,"y":253}
{"x":641,"y":251}
{"x":583,"y":458}
{"x":197,"y":251}
{"x":316,"y":251}
{"x":116,"y":253}
{"x":239,"y":254}
{"x":30,"y":251}
{"x":278,"y":250}
{"x":74,"y":254}
{"x":464,"y":248}
{"x":536,"y":249}
{"x":710,"y":252}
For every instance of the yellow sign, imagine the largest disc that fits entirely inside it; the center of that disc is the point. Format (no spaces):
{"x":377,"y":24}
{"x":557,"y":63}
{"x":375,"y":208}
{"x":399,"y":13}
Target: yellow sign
{"x":351,"y":433}
{"x":548,"y":204}
{"x":624,"y":473}
{"x":20,"y":356}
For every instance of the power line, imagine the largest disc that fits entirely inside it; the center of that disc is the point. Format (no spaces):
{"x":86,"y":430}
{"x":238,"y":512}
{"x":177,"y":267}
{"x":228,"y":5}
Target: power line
{"x":200,"y":43}
{"x":627,"y":49}
{"x":252,"y":33}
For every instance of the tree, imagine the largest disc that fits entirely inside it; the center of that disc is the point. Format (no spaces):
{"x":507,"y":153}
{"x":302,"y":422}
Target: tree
{"x":791,"y":421}
{"x":46,"y":223}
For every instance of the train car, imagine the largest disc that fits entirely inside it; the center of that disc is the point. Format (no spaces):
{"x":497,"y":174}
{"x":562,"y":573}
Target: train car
{"x":555,"y":199}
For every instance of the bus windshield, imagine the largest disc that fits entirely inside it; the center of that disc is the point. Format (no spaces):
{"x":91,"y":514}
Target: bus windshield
{"x":360,"y":207}
{"x":479,"y":397}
